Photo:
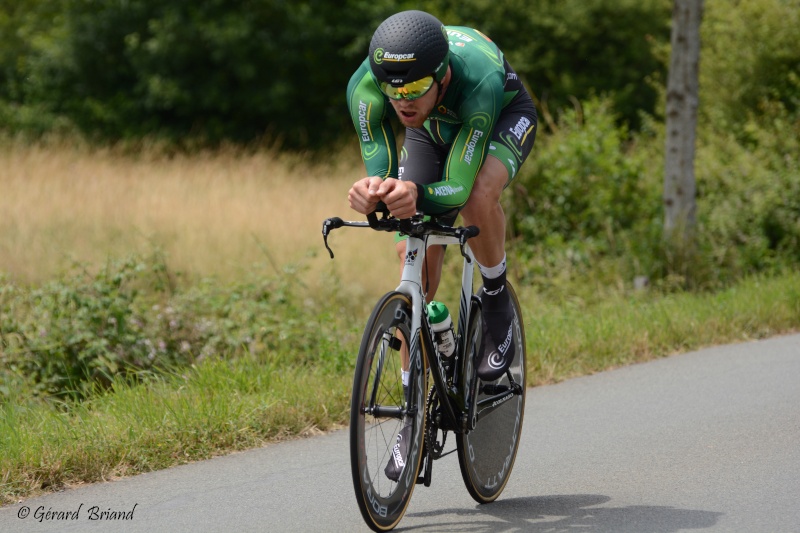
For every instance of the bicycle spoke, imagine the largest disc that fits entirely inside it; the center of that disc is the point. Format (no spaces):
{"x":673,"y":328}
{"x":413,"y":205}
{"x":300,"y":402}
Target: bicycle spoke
{"x":378,"y":411}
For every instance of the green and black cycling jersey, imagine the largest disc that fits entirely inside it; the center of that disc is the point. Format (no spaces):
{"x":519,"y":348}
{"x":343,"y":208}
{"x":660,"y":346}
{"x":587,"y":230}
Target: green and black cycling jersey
{"x":481,"y":86}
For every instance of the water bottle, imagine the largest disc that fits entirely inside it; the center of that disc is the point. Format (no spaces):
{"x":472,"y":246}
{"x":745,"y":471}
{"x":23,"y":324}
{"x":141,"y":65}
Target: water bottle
{"x":442,"y":327}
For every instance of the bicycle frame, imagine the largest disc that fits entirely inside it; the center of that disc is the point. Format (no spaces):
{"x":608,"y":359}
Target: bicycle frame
{"x":464,"y":418}
{"x":411,"y":281}
{"x":410,"y":285}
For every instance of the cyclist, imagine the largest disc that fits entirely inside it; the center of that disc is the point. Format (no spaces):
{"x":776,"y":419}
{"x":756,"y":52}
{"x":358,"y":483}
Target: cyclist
{"x":469,"y":125}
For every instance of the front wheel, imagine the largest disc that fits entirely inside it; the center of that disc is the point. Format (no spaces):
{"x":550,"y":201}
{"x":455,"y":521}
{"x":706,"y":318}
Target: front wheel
{"x":486,"y":454}
{"x":380,"y":409}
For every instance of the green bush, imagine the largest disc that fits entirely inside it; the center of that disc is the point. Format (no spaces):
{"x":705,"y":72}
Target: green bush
{"x":211,"y":70}
{"x":72,"y":336}
{"x":748,"y":201}
{"x":750,"y":65}
{"x":567,"y":49}
{"x":584,"y":181}
{"x":587,"y":203}
{"x":238,"y":70}
{"x":585,"y":200}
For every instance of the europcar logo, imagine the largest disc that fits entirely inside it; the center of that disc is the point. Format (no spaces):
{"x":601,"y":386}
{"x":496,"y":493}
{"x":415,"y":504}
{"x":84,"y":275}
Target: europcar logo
{"x":380,"y":55}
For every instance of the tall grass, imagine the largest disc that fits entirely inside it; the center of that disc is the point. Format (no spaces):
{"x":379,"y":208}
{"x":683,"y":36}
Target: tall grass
{"x":213,"y":213}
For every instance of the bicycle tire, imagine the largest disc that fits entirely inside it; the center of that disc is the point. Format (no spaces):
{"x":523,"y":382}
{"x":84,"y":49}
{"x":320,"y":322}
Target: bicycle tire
{"x":486,"y":454}
{"x":377,"y":382}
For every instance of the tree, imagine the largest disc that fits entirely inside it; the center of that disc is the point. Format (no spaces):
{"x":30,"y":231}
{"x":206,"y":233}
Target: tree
{"x":568,"y":49}
{"x":202,"y":71}
{"x":681,"y":124}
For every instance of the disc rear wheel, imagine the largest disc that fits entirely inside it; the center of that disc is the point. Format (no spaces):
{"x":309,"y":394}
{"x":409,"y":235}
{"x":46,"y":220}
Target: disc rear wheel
{"x":486,"y":454}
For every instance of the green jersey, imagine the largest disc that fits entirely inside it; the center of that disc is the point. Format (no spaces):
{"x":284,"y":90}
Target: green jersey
{"x":479,"y":89}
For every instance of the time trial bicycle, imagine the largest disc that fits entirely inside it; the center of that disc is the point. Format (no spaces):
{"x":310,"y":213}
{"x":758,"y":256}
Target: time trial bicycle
{"x":485,"y":418}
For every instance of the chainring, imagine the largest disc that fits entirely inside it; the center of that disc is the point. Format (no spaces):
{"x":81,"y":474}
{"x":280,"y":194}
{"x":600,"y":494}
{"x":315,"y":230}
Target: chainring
{"x":435,"y":447}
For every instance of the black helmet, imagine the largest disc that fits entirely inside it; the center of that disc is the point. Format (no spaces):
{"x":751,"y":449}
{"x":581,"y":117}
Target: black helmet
{"x":409,"y":46}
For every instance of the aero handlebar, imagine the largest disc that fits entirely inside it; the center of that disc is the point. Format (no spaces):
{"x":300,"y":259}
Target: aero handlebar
{"x":415,"y":226}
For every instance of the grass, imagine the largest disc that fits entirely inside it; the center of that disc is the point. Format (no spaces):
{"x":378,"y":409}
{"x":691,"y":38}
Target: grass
{"x":216,"y":215}
{"x":214,"y":408}
{"x":566,"y":341}
{"x":212,"y":214}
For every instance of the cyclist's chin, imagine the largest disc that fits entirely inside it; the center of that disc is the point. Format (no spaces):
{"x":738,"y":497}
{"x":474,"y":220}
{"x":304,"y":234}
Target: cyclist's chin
{"x":416,"y":120}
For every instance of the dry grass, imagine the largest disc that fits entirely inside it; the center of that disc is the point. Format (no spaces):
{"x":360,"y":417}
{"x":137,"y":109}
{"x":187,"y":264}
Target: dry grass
{"x":215,"y":213}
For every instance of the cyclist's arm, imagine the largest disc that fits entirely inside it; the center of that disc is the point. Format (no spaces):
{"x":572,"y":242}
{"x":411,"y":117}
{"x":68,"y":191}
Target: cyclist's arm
{"x":369,"y":112}
{"x":469,"y":150}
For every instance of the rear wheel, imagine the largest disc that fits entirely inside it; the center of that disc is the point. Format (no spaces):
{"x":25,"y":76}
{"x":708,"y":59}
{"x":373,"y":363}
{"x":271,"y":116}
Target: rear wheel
{"x":486,"y":454}
{"x":380,"y":409}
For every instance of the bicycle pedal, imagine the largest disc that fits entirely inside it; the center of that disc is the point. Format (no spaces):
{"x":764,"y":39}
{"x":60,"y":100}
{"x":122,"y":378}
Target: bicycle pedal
{"x":428,"y":472}
{"x":491,"y":389}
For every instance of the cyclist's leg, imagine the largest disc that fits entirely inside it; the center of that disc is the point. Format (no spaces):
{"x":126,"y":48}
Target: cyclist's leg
{"x":483,"y":209}
{"x":512,"y":141}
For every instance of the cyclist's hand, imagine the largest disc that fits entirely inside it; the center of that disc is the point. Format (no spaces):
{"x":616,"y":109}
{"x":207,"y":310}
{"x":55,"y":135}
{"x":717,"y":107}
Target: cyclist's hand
{"x":399,"y":196}
{"x":363,"y":195}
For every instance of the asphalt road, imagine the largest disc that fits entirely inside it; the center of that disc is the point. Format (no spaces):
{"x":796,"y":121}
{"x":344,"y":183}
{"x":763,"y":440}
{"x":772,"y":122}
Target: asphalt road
{"x":706,"y":441}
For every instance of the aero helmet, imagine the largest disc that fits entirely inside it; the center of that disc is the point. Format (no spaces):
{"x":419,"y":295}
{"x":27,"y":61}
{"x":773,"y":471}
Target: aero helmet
{"x":407,"y":47}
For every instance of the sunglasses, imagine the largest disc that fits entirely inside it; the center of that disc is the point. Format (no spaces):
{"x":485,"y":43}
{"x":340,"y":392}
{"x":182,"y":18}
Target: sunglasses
{"x":409,"y":91}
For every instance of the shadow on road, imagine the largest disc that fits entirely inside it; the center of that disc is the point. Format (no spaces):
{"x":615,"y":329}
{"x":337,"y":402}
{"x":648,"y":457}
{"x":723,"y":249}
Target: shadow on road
{"x":567,"y":513}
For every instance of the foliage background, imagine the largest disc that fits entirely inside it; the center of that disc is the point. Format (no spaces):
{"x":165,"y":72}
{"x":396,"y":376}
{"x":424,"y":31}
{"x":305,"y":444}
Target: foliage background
{"x":198,"y":75}
{"x":238,"y":70}
{"x":173,"y":90}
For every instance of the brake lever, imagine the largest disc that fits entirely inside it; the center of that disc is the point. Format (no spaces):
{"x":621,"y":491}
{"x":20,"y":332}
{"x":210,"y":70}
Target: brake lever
{"x":329,"y":225}
{"x":464,"y":235}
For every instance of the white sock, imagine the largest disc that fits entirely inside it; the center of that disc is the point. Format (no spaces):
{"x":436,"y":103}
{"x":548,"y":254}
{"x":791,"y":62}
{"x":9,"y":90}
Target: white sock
{"x":495,"y":271}
{"x":405,"y":376}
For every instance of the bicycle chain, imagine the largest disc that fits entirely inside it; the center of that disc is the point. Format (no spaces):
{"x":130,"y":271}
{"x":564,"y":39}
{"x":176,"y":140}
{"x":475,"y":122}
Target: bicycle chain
{"x":436,"y":448}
